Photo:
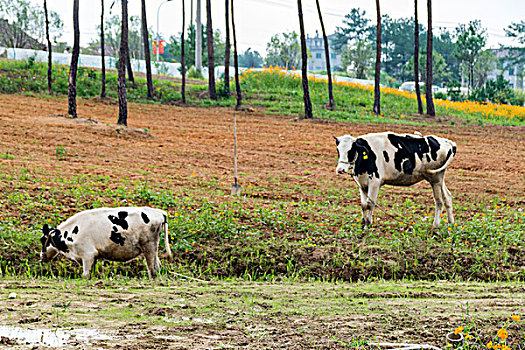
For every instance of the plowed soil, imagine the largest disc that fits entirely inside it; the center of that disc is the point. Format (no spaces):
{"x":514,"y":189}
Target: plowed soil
{"x":179,"y":141}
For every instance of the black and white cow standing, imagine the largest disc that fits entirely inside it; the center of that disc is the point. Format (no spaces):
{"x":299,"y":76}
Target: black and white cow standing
{"x":117,"y":234}
{"x":396,"y":159}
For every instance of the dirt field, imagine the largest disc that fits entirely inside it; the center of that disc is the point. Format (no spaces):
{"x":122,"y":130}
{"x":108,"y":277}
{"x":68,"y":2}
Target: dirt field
{"x":234,"y":315}
{"x":169,"y":145}
{"x":181,"y":141}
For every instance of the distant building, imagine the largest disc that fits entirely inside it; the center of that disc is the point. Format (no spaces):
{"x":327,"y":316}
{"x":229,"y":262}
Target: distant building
{"x":512,"y":72}
{"x":318,"y":61}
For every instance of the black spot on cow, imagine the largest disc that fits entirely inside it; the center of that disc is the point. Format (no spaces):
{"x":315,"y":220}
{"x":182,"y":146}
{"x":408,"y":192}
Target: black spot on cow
{"x":75,"y":230}
{"x":365,"y":158}
{"x":144,"y":217}
{"x":120,"y":221}
{"x":58,"y":242}
{"x":336,"y":141}
{"x":387,"y":158}
{"x":65,"y":234}
{"x":69,"y":239}
{"x":449,"y":153}
{"x":434,"y":147}
{"x":407,"y":149}
{"x":117,"y":237}
{"x":428,"y":158}
{"x":454,"y":149}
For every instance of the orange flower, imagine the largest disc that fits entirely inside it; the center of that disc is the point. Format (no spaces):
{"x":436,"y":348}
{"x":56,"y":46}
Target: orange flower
{"x":458,"y":330}
{"x":515,"y":318}
{"x":503,"y":334}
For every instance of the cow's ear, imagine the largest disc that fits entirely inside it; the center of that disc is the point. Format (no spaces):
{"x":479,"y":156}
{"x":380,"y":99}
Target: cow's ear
{"x":336,"y":141}
{"x":45,"y":229}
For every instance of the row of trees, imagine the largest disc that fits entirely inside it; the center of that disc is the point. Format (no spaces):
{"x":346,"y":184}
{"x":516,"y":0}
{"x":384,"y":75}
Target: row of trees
{"x":124,"y":56}
{"x":377,"y":104}
{"x":356,"y":32}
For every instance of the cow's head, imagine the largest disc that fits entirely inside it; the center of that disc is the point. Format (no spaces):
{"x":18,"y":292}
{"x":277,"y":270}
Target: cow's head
{"x":48,"y":250}
{"x":346,"y":160}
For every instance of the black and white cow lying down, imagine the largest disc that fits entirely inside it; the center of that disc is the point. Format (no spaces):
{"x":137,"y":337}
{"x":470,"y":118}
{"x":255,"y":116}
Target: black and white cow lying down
{"x":396,"y":159}
{"x":117,"y":234}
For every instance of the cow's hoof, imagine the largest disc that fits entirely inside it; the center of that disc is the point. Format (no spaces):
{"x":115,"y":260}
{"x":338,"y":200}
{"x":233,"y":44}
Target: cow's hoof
{"x":365,"y":224}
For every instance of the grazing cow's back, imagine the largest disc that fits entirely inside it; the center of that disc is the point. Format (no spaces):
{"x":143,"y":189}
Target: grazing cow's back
{"x":396,"y":159}
{"x":117,"y":234}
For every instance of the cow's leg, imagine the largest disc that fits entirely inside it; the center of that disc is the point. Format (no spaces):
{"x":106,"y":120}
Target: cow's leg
{"x":437,"y":188}
{"x":368,"y":200}
{"x":87,"y":265}
{"x":364,"y":207}
{"x":373,"y":191}
{"x":448,"y":203}
{"x":150,"y":253}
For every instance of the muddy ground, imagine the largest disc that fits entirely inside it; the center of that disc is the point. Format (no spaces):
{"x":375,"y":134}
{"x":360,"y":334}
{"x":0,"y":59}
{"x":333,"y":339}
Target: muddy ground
{"x":169,"y":145}
{"x":217,"y":315}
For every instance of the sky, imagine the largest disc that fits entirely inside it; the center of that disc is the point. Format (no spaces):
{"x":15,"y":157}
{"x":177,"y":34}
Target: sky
{"x":258,"y":20}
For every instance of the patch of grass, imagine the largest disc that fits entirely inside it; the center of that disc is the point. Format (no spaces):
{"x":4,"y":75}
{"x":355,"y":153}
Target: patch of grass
{"x":258,"y":239}
{"x":282,"y":94}
{"x":271,"y":89}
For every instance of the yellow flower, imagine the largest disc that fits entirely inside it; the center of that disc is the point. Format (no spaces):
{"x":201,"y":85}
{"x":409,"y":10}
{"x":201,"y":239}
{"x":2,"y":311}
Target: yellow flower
{"x":489,"y":345}
{"x":515,"y":318}
{"x":458,"y":330}
{"x":468,"y":337}
{"x":503,"y":334}
{"x":49,"y":221}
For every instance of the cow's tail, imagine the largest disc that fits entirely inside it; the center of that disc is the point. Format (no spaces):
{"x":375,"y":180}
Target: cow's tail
{"x":450,"y":156}
{"x":167,"y":238}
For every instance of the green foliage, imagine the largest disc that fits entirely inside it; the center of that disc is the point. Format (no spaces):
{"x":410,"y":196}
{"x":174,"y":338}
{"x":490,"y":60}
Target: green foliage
{"x":112,"y":29}
{"x":284,"y":50}
{"x":361,"y":57}
{"x":471,"y":39}
{"x":355,"y":26}
{"x":173,"y":48}
{"x":453,"y":90}
{"x":61,"y":153}
{"x":27,"y":19}
{"x":516,"y":30}
{"x":496,"y":91}
{"x":250,"y":59}
{"x":31,"y":76}
{"x":193,"y":73}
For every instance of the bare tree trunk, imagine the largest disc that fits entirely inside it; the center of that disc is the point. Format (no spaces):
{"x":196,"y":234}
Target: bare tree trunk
{"x":145,"y":40}
{"x":102,"y":53}
{"x":416,"y":62}
{"x":331,"y":103}
{"x":198,"y":37}
{"x":131,"y":78}
{"x":377,"y":91}
{"x":431,"y":111}
{"x":236,"y":64}
{"x":123,"y":55}
{"x":72,"y":88}
{"x":211,"y":63}
{"x":183,"y":68}
{"x":227,"y":53}
{"x":49,"y":52}
{"x":304,"y":70}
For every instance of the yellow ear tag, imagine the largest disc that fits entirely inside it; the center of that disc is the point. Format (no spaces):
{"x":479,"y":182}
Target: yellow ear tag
{"x":365,"y":155}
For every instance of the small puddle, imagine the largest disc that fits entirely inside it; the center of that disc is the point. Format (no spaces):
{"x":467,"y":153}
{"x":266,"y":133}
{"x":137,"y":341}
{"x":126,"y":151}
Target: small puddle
{"x":51,"y":337}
